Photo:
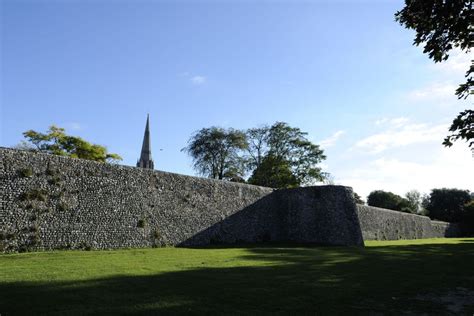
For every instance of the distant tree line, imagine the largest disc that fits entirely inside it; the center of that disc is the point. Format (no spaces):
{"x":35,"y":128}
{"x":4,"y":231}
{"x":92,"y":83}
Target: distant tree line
{"x":449,"y":205}
{"x":277,"y":156}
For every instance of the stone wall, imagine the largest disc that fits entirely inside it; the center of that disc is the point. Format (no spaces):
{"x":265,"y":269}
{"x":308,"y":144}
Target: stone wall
{"x":382,"y":224}
{"x":52,"y":202}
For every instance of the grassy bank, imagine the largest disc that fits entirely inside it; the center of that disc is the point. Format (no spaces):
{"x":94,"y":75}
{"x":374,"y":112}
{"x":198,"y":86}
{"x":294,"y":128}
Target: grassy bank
{"x":434,"y":276}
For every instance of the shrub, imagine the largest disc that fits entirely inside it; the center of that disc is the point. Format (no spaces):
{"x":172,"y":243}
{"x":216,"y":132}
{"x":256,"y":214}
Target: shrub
{"x":156,"y":234}
{"x":62,"y":206}
{"x":35,"y":239}
{"x":51,"y":172}
{"x":54,"y":180}
{"x":34,"y":228}
{"x":141,"y":223}
{"x":85,"y":246}
{"x":34,"y":194}
{"x":25,"y":172}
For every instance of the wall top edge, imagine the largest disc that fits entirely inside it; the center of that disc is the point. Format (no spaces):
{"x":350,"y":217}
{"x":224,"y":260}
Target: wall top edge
{"x":151,"y":171}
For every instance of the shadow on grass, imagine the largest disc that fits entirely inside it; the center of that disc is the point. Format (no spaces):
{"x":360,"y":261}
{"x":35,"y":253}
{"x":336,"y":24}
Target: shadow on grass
{"x":335,"y":280}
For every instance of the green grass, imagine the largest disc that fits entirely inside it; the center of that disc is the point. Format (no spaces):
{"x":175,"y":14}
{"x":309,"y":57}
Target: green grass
{"x":418,"y":276}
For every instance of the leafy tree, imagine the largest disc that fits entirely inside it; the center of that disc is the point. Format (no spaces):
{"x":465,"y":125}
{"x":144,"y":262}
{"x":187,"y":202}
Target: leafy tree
{"x":442,"y":26}
{"x":358,"y":199}
{"x":389,"y":201}
{"x":258,"y":145}
{"x":448,"y":204}
{"x":414,"y":199}
{"x":462,"y":128}
{"x":285,"y":145}
{"x":215,"y":152}
{"x":277,"y":156}
{"x":56,"y":142}
{"x":274,"y":172}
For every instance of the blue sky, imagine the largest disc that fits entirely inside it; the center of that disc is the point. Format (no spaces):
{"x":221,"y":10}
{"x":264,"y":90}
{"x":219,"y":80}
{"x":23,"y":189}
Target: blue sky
{"x":343,"y":71}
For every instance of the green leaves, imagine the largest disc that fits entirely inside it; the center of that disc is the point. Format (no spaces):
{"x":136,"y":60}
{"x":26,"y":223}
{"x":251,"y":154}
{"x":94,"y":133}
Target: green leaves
{"x":215,"y":152}
{"x":278,"y":156}
{"x":441,"y":26}
{"x":56,"y":142}
{"x":389,"y":201}
{"x":283,"y":145}
{"x":462,"y":128}
{"x":274,"y":172}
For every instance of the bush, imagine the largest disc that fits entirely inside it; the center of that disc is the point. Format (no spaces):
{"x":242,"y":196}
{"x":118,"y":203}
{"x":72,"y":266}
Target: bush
{"x":62,"y":206}
{"x":54,"y":180}
{"x":141,"y":223}
{"x":25,"y":172}
{"x":34,"y":194}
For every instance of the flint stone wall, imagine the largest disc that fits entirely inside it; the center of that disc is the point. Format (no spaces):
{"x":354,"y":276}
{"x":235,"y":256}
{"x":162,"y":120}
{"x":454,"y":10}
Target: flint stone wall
{"x":52,"y":202}
{"x":383,"y":224}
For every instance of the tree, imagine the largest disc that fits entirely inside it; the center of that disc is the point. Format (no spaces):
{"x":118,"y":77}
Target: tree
{"x":358,"y":199}
{"x":56,"y":142}
{"x":442,"y":26}
{"x":278,"y":156}
{"x":215,"y":152}
{"x":389,"y":201}
{"x":414,"y":201}
{"x":448,"y":204}
{"x":285,"y":146}
{"x":462,"y":128}
{"x":258,"y":145}
{"x":274,"y":172}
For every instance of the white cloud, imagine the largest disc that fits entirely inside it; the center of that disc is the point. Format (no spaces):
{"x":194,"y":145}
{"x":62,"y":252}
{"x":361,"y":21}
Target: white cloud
{"x":456,"y":65}
{"x":400,"y":132}
{"x":331,"y":140}
{"x":195,"y":79}
{"x":198,"y":80}
{"x":440,"y":92}
{"x":73,"y":126}
{"x":450,"y":167}
{"x":446,"y":77}
{"x":395,"y":122}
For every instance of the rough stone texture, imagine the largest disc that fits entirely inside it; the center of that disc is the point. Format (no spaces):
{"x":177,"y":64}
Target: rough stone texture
{"x":52,"y":202}
{"x":382,"y":224}
{"x":318,"y":215}
{"x":330,"y":208}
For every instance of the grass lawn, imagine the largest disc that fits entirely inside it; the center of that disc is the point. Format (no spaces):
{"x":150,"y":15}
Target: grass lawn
{"x":431,"y":276}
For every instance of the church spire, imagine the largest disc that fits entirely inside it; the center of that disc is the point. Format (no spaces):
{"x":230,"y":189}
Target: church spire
{"x":145,"y":160}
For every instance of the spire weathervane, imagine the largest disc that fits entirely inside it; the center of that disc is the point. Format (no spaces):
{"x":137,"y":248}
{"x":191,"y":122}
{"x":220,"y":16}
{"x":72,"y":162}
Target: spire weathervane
{"x":145,"y":160}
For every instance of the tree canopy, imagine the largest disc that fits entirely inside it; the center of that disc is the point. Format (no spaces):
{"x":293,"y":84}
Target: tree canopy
{"x":286,"y":147}
{"x":442,"y":25}
{"x":278,"y":156}
{"x":358,"y":198}
{"x":56,"y":142}
{"x":462,"y":128}
{"x":414,"y":199}
{"x":448,"y":204}
{"x":389,"y":201}
{"x":274,"y":172}
{"x":215,"y":152}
